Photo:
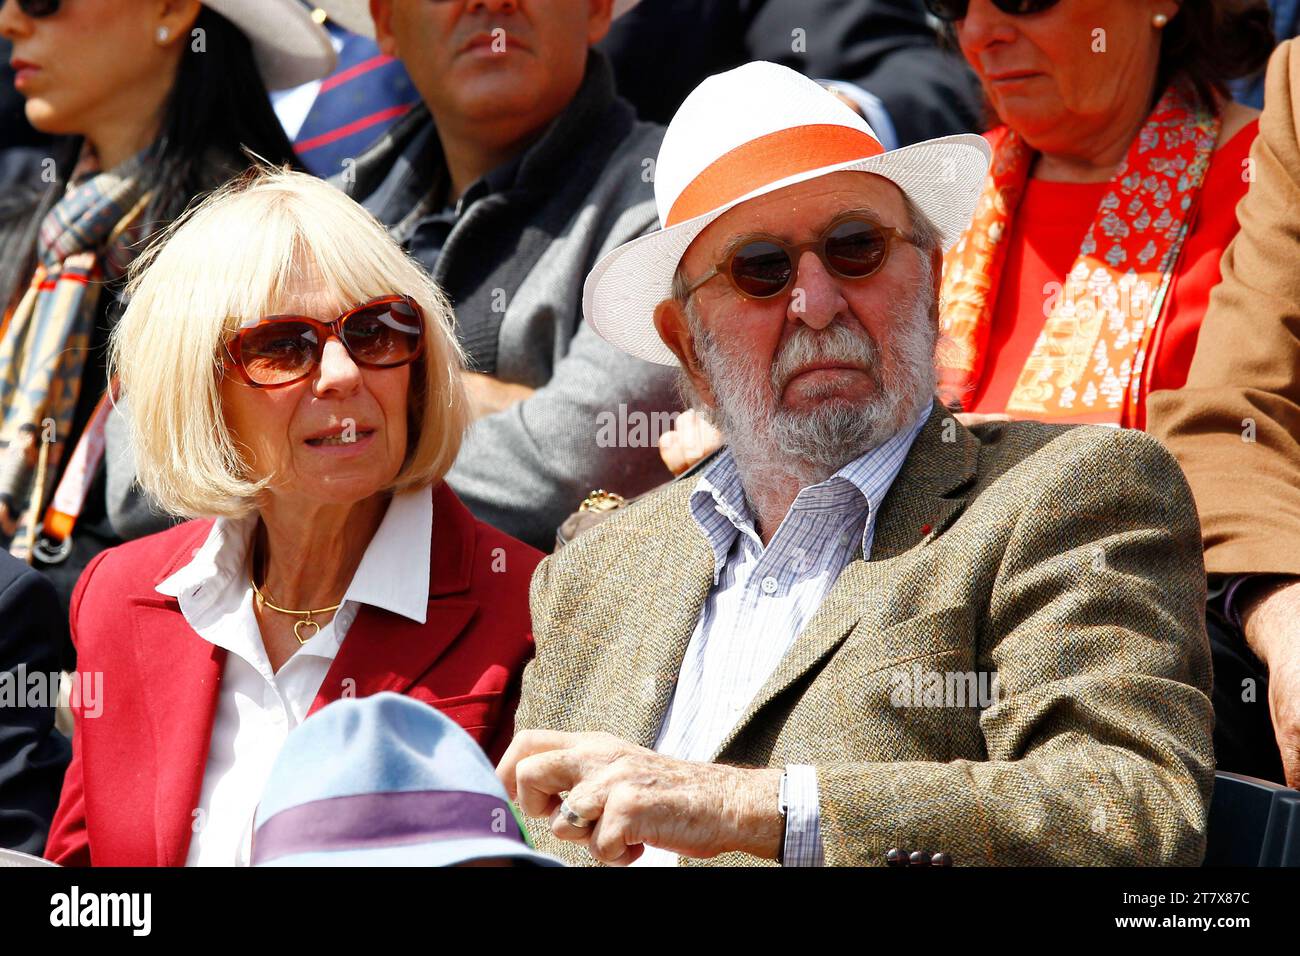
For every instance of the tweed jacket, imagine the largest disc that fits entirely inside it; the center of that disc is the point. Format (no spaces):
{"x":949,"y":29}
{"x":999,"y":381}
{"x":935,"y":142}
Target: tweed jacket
{"x":1065,"y":561}
{"x":1235,"y":427}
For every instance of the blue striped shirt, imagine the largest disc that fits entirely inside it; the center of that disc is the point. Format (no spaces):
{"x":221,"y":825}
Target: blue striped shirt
{"x":762,"y":599}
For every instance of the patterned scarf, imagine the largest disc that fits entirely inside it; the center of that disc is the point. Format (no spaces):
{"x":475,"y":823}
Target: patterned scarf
{"x":86,"y":240}
{"x":1087,"y":365}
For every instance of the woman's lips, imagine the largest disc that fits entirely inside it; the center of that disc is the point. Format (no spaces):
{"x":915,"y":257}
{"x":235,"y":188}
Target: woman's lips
{"x":342,"y":444}
{"x":1011,"y":78}
{"x":23,"y":72}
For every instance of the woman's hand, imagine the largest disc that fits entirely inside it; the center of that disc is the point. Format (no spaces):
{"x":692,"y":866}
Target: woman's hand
{"x":690,"y":440}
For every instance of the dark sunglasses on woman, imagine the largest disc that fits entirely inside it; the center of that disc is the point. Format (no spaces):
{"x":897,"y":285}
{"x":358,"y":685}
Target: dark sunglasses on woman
{"x":951,"y":10}
{"x":385,"y":332}
{"x":851,"y":247}
{"x":36,"y":8}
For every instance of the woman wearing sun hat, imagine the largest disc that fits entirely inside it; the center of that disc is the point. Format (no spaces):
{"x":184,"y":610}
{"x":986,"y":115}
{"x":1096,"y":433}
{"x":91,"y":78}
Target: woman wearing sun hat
{"x":154,"y":104}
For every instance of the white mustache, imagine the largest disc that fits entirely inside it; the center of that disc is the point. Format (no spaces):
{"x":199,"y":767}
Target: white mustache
{"x":838,"y":343}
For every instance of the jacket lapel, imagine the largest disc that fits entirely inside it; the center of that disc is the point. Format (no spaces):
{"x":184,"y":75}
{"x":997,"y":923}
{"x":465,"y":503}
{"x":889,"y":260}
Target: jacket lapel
{"x":387,"y":652}
{"x":924,"y":499}
{"x":682,"y":569}
{"x":181,"y":675}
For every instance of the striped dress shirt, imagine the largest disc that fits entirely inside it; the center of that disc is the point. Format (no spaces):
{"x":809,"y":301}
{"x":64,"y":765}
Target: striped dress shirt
{"x":761,"y":600}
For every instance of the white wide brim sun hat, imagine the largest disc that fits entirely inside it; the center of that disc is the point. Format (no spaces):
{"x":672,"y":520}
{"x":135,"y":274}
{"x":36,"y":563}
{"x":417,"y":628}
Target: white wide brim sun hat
{"x":745,"y":133}
{"x":290,"y":48}
{"x":354,"y":15}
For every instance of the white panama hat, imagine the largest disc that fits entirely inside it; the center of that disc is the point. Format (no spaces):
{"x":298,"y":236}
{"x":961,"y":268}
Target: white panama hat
{"x":354,"y":15}
{"x":290,"y":48}
{"x":744,"y":133}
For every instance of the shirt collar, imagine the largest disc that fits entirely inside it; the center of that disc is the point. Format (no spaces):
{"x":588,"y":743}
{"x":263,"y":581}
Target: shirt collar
{"x":719,"y":507}
{"x":393,"y":573}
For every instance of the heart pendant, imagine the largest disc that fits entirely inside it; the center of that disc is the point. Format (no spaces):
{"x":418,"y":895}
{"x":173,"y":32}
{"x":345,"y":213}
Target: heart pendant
{"x":297,"y":632}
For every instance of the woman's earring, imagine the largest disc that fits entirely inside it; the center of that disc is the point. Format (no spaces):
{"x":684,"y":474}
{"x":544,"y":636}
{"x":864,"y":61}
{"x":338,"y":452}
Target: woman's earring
{"x":1160,"y":21}
{"x":164,"y":34}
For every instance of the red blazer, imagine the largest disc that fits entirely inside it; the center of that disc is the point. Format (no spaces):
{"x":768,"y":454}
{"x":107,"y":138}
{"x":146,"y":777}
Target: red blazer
{"x":137,"y":768}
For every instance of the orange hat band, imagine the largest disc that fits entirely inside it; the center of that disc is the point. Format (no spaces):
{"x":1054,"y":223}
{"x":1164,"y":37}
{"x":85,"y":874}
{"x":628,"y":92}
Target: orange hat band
{"x":765,"y":160}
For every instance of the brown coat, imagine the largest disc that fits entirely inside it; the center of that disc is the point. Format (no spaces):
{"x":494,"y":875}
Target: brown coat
{"x":1244,"y":382}
{"x":1065,"y":560}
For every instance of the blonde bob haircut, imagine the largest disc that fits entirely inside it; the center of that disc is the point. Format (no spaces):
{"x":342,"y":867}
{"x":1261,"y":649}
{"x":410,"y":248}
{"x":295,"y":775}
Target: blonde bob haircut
{"x":235,"y":257}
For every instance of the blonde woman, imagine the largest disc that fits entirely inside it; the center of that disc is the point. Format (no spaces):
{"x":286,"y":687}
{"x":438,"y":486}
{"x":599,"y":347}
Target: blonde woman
{"x":294,"y":386}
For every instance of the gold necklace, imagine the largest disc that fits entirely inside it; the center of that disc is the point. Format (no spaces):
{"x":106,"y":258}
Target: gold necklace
{"x":303,"y":616}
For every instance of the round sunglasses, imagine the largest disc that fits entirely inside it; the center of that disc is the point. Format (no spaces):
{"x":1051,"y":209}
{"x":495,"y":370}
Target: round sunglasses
{"x":761,"y":267}
{"x":385,"y":332}
{"x":36,"y":8}
{"x":952,"y":10}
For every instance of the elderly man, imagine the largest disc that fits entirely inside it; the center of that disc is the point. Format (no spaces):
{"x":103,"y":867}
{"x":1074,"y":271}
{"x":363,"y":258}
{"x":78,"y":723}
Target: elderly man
{"x":520,"y":168}
{"x":861,"y":634}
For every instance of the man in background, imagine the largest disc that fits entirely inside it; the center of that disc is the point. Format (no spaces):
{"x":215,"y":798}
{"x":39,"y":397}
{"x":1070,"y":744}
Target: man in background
{"x":517,"y":171}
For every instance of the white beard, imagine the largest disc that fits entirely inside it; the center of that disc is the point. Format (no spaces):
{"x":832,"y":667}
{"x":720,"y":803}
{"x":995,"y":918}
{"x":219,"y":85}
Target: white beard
{"x":773,"y":445}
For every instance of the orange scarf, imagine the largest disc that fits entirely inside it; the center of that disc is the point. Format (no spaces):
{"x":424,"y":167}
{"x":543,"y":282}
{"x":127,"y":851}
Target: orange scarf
{"x":1088,"y":363}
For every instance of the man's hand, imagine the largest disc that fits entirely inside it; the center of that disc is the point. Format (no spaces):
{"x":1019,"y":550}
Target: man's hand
{"x":488,"y":395}
{"x":1271,"y":622}
{"x":634,"y":796}
{"x":690,"y":440}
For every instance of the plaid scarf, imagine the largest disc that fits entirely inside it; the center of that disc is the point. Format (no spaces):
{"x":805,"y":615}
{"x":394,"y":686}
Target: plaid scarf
{"x":84,"y":242}
{"x":1092,"y":359}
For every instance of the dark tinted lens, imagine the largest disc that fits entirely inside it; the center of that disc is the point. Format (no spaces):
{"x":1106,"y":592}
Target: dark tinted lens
{"x":387,"y":334}
{"x":947,"y":9}
{"x":1021,"y":7}
{"x":760,"y":269}
{"x":38,"y":8}
{"x":278,"y":352}
{"x":856,"y":248}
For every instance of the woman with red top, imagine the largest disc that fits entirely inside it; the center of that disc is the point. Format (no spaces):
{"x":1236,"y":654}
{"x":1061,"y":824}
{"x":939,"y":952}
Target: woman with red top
{"x":1081,"y":283}
{"x":291,"y":380}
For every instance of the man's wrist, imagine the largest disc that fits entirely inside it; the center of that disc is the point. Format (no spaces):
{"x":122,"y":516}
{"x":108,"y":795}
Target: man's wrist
{"x":759,"y":826}
{"x":1269,"y":609}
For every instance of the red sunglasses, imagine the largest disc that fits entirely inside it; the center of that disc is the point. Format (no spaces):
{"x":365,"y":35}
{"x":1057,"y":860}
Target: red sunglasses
{"x":385,"y":332}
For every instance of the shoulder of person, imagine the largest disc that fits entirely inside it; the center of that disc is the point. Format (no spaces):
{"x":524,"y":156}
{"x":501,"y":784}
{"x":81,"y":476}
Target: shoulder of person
{"x":376,"y":161}
{"x":22,"y":579}
{"x":632,"y":162}
{"x":506,"y":558}
{"x":1091,"y":466}
{"x":136,"y":566}
{"x":621,"y":542}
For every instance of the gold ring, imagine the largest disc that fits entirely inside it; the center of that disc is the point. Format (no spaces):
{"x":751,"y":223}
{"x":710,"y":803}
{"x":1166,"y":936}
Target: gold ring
{"x":573,"y":819}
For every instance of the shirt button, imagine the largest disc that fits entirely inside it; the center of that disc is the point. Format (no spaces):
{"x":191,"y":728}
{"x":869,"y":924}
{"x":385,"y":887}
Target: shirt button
{"x":769,"y":585}
{"x":844,"y":539}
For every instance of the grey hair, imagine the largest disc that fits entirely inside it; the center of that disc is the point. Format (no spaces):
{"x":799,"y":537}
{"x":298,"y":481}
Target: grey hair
{"x":925,"y":234}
